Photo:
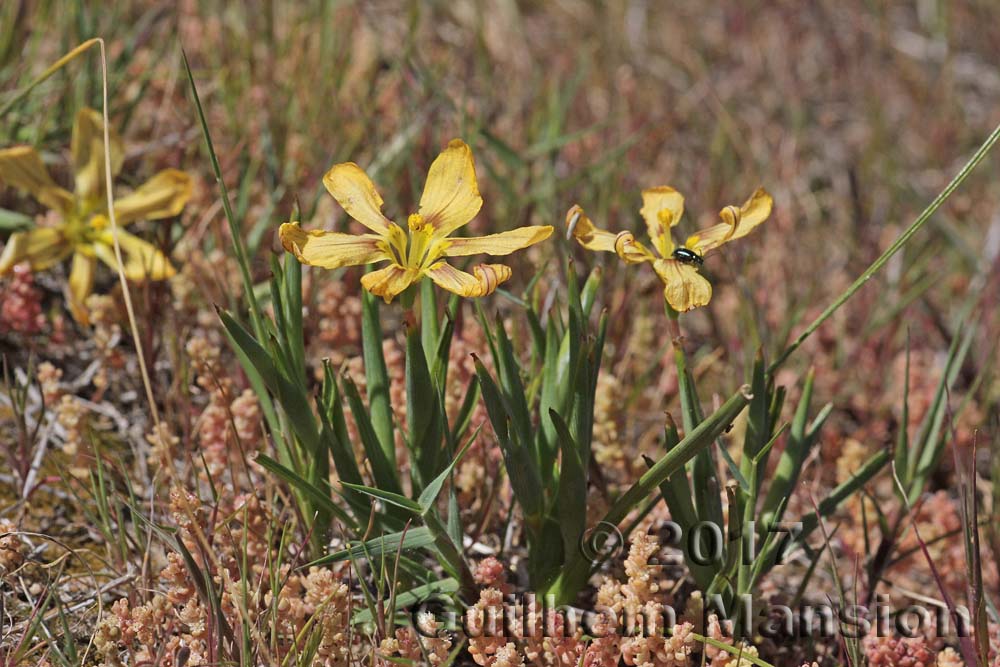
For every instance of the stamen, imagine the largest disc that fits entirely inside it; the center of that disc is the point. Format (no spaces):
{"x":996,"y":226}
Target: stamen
{"x":415,"y":222}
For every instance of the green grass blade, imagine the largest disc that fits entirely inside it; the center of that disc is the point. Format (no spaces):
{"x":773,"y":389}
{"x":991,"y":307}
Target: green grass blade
{"x":239,"y":248}
{"x":895,"y":247}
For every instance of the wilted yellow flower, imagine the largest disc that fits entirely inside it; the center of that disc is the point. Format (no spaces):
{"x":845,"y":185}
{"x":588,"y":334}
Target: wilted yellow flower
{"x":677,"y":266}
{"x":83,"y":229}
{"x":450,"y":201}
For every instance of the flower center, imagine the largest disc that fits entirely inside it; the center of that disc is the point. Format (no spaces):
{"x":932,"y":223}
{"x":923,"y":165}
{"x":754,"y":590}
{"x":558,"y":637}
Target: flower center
{"x":421,"y":247}
{"x":86,"y":223}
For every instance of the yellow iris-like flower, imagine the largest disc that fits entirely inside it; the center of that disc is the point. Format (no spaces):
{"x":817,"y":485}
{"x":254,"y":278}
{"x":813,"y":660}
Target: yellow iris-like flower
{"x":450,"y":201}
{"x":83,"y":229}
{"x":677,"y":266}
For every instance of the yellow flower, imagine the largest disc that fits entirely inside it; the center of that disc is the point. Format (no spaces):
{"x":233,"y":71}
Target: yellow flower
{"x":677,"y":266}
{"x":83,"y":229}
{"x":450,"y":200}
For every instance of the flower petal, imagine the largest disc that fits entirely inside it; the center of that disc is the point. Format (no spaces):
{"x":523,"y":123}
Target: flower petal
{"x":662,"y":208}
{"x":736,"y":223}
{"x":22,"y":168}
{"x":87,"y":146}
{"x":451,"y":195}
{"x":330,"y":250}
{"x":81,"y":284}
{"x":503,"y":243}
{"x":143,"y":260}
{"x":631,"y":250}
{"x":683,"y":287}
{"x":355,"y":192}
{"x":389,"y":282}
{"x":485,"y":281}
{"x":41,"y":247}
{"x":162,"y":196}
{"x":583,"y":230}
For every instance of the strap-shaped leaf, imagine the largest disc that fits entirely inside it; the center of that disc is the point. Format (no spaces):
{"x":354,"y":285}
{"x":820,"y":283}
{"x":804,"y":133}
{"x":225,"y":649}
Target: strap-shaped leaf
{"x":424,"y":409}
{"x":572,"y":495}
{"x":414,"y":538}
{"x":518,"y":459}
{"x":320,"y":497}
{"x":384,"y":471}
{"x":377,"y":376}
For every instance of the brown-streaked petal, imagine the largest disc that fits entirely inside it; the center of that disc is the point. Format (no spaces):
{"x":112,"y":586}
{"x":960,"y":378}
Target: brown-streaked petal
{"x":389,"y":282}
{"x":736,"y":223}
{"x":81,"y":284}
{"x":356,"y":194}
{"x":683,"y":287}
{"x":631,"y":250}
{"x":162,"y":196}
{"x":662,"y":208}
{"x":485,"y":281}
{"x":143,"y":260}
{"x":331,"y":250}
{"x":503,"y":243}
{"x":42,"y":248}
{"x":87,"y":146}
{"x":451,"y":195}
{"x":21,"y":167}
{"x":589,"y":236}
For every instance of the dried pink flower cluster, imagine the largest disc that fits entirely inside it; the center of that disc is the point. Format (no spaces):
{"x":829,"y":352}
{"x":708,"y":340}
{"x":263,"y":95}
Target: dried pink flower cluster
{"x":174,"y":627}
{"x":103,"y":317}
{"x":339,"y":322}
{"x":72,"y":415}
{"x":639,"y":602}
{"x":898,"y":652}
{"x":430,"y":646}
{"x":13,"y":550}
{"x":227,"y":429}
{"x":21,"y":304}
{"x":49,"y":377}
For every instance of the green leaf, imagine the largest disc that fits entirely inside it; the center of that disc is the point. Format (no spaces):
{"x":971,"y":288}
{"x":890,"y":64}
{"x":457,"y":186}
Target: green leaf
{"x":704,"y":480}
{"x":291,"y":396}
{"x":558,"y":370}
{"x":384,"y":470}
{"x":930,"y":442}
{"x":429,"y":325}
{"x":334,"y":435}
{"x":292,"y":284}
{"x":758,"y":429}
{"x":235,"y":232}
{"x":12,"y":221}
{"x":589,"y":294}
{"x":388,"y":496}
{"x":769,"y":551}
{"x":895,"y":247}
{"x":509,"y":375}
{"x":801,"y":439}
{"x":577,"y":570}
{"x":377,"y":376}
{"x":415,"y":538}
{"x":317,"y":495}
{"x":903,"y":438}
{"x":429,"y":495}
{"x":432,"y":590}
{"x":518,"y":459}
{"x":424,"y":410}
{"x":572,"y":496}
{"x":241,"y":339}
